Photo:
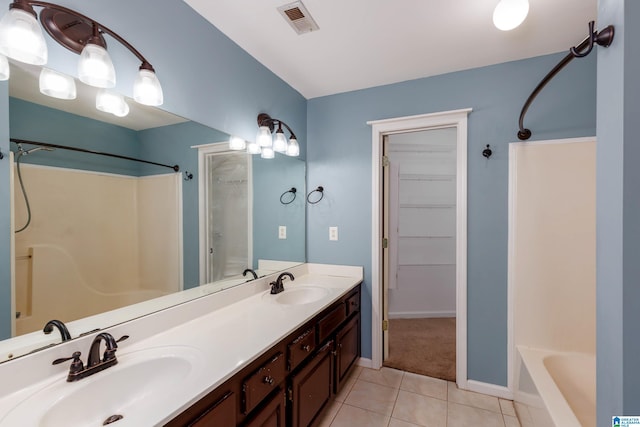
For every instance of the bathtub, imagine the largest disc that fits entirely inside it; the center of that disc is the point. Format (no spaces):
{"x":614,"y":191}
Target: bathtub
{"x":556,"y":388}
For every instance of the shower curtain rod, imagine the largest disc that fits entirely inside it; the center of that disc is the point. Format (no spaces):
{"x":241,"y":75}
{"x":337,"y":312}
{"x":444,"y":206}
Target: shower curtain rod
{"x":176,"y":168}
{"x":602,"y":38}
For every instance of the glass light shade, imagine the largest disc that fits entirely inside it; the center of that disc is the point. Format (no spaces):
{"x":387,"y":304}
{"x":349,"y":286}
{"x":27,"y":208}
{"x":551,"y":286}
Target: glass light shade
{"x":280,"y":143}
{"x":57,"y":85}
{"x":4,"y":68}
{"x":508,"y":14}
{"x":147,"y":89}
{"x":21,"y":38}
{"x":95,"y":67}
{"x":237,"y":143}
{"x":111,"y":102}
{"x":293,"y":149}
{"x":267,"y":153}
{"x":264,"y":137}
{"x":253,"y":148}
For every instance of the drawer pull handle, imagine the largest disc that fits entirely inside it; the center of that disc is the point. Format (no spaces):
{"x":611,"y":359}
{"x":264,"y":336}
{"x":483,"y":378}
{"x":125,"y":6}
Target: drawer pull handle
{"x":306,"y":348}
{"x":268,"y":380}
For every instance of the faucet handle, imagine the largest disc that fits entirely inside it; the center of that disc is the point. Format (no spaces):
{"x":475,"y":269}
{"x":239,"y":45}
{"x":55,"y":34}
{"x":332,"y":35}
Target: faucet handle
{"x":76,"y":365}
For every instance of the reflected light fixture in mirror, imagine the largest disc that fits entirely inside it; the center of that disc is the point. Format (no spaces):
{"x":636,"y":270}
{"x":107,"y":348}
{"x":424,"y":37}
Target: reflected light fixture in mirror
{"x":21,"y":39}
{"x":57,"y":85}
{"x":111,"y":102}
{"x":509,"y":14}
{"x":237,"y":143}
{"x":265,"y":144}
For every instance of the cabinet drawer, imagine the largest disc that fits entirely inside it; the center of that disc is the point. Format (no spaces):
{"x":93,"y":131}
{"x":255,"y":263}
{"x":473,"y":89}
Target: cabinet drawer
{"x":262,"y":382}
{"x":353,"y":303}
{"x":222,"y":413}
{"x":330,"y":322}
{"x":301,"y":347}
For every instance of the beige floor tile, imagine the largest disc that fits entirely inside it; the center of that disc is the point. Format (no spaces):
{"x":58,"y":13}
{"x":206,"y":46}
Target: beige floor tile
{"x":329,"y":413}
{"x":427,"y":386}
{"x":523,"y":414}
{"x":510,"y":421}
{"x":383,"y":376}
{"x":470,"y":398}
{"x":507,"y":407}
{"x":399,"y":423}
{"x":466,"y":416}
{"x":350,"y":416}
{"x":421,"y":410}
{"x":346,"y":388}
{"x":373,"y":397}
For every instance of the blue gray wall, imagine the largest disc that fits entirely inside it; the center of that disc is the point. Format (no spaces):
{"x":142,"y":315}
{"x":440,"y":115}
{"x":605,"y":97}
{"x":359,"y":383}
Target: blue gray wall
{"x":205,"y":76}
{"x":618,"y":211}
{"x":339,"y":158}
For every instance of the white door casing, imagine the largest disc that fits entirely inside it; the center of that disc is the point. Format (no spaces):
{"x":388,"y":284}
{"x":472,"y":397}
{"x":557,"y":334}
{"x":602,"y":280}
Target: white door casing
{"x":457,"y":119}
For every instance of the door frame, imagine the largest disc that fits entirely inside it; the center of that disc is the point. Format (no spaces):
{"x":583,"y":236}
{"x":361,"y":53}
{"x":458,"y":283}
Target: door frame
{"x":203,"y":151}
{"x":380,"y":128}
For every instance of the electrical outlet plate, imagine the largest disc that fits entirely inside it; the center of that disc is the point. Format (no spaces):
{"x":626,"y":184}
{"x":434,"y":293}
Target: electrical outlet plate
{"x":333,"y":233}
{"x":282,"y":232}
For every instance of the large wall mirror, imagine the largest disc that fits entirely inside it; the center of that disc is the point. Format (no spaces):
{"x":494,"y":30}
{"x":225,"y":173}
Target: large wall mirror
{"x":98,"y":233}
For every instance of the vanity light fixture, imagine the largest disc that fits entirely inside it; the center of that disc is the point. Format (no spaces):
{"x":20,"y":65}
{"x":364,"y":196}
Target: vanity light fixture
{"x":237,"y":143}
{"x":266,"y":145}
{"x":112,"y":102}
{"x":4,"y":68}
{"x":509,"y":14}
{"x":21,"y":39}
{"x":57,"y":85}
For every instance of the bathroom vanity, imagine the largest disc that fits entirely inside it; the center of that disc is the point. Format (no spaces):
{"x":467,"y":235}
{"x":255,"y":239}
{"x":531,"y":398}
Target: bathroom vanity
{"x":241,"y":356}
{"x":292,"y":382}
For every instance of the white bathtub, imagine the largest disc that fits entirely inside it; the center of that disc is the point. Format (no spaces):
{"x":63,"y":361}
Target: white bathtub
{"x":565,"y":387}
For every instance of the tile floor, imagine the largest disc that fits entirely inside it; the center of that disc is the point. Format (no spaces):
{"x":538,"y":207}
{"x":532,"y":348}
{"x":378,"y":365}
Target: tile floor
{"x":392,"y":398}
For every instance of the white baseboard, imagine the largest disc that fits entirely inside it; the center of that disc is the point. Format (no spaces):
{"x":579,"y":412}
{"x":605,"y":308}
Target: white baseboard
{"x":490,"y":389}
{"x":420,"y":314}
{"x":365,"y":363}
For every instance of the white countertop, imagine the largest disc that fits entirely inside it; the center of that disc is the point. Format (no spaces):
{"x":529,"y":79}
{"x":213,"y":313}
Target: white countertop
{"x":229,"y":329}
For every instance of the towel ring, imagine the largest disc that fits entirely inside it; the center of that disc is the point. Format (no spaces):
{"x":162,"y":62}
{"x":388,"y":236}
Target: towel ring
{"x":292,"y":191}
{"x":320,"y":190}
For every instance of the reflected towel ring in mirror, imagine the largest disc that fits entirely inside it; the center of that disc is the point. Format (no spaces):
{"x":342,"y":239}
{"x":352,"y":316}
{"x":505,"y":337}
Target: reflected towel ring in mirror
{"x":1,"y":155}
{"x":320,"y":190}
{"x":188,"y":176}
{"x":291,"y":195}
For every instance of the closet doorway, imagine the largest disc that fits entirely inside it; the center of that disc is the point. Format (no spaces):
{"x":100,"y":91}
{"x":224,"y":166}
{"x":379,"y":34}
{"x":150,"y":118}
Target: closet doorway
{"x":436,"y":246}
{"x":419,"y":199}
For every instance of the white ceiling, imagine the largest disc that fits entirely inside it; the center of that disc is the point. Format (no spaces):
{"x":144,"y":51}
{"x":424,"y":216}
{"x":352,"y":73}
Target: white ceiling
{"x":366,"y":43}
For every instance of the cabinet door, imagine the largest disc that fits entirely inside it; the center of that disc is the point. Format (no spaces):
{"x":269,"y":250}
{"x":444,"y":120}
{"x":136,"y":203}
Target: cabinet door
{"x":347,"y":350}
{"x":272,"y":415}
{"x":222,"y":413}
{"x":311,"y":388}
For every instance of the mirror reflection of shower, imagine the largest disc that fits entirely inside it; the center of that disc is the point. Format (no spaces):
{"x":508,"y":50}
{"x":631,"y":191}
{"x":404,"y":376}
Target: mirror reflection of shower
{"x":227,"y":217}
{"x":21,"y":153}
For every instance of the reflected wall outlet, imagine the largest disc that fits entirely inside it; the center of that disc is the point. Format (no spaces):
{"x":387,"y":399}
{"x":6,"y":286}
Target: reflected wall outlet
{"x":333,"y":233}
{"x":282,"y":232}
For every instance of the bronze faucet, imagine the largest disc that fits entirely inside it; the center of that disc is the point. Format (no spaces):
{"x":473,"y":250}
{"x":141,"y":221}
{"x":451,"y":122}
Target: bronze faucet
{"x":277,"y":286}
{"x":77,"y":370}
{"x":253,"y":273}
{"x":64,"y":332}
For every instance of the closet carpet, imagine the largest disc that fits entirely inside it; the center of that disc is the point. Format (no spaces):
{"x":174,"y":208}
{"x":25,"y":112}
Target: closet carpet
{"x":423,"y":346}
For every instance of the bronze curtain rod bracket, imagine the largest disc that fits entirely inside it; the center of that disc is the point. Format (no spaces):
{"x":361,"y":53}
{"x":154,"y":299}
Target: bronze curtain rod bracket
{"x":602,"y":38}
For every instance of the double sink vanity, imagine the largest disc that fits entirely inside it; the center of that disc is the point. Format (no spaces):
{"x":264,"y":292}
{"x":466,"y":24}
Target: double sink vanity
{"x":242,"y":356}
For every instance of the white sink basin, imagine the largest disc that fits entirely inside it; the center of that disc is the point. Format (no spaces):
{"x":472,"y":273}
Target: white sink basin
{"x":141,"y":383}
{"x":299,"y":295}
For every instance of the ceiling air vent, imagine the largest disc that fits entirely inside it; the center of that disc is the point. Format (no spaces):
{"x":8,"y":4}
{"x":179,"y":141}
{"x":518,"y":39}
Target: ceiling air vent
{"x":298,"y":17}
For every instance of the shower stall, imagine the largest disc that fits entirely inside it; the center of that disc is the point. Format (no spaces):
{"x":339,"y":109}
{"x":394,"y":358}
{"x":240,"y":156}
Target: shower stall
{"x":87,"y":242}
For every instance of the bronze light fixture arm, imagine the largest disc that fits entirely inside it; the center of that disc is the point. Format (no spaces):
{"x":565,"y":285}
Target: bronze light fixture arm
{"x":27,"y":6}
{"x":266,"y":120}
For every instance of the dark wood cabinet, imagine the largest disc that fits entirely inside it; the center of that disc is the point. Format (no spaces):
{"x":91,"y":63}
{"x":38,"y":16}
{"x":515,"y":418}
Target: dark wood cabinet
{"x":271,"y":415}
{"x":310,"y":364}
{"x":310,"y":389}
{"x":347,"y":350}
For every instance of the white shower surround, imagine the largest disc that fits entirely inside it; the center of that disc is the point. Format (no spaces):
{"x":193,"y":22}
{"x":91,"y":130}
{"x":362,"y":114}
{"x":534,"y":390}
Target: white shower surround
{"x":552,"y":281}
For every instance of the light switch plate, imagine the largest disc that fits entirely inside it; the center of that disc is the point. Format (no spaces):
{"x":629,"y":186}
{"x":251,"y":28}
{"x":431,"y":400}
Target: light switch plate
{"x":333,"y":233}
{"x":282,"y":232}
